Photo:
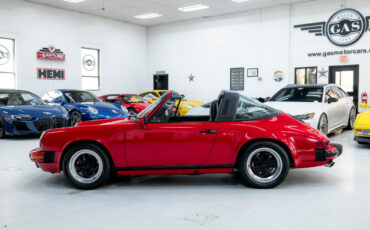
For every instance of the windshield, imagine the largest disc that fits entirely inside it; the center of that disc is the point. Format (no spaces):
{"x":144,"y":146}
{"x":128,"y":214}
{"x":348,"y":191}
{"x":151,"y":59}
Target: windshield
{"x":129,"y":99}
{"x":251,"y":109}
{"x":20,"y":98}
{"x":302,"y":94}
{"x":152,"y":106}
{"x":80,"y":96}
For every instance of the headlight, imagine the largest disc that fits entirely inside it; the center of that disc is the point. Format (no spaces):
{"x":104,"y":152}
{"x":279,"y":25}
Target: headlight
{"x":187,"y":105}
{"x":22,"y":118}
{"x":307,"y":116}
{"x":92,"y":110}
{"x":124,"y":109}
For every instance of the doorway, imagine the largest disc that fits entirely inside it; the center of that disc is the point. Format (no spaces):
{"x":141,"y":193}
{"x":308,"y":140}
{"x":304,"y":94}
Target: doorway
{"x":348,"y":78}
{"x":160,"y":81}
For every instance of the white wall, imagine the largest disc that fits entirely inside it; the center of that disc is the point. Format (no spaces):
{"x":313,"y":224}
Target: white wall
{"x":262,"y":38}
{"x":123,"y":47}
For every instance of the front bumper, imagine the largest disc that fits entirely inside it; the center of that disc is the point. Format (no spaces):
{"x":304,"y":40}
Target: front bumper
{"x":36,"y":126}
{"x":38,"y":156}
{"x":362,"y":139}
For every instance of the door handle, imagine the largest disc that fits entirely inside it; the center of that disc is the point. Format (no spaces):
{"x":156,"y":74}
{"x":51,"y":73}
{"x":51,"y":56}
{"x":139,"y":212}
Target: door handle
{"x":208,"y":131}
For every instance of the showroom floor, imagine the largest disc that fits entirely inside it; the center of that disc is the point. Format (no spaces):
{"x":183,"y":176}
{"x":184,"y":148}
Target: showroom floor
{"x":317,"y":198}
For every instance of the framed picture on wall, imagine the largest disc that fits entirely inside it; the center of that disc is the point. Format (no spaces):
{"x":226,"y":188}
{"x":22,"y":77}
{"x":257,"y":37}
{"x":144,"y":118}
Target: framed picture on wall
{"x":252,"y":72}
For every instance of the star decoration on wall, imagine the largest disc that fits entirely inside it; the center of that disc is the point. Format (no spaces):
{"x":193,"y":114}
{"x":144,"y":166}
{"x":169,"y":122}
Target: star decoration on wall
{"x":323,"y":72}
{"x":191,"y":77}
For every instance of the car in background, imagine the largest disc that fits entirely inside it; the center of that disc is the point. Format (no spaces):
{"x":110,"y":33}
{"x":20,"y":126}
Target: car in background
{"x":362,"y":126}
{"x":238,"y":135}
{"x":84,"y":106}
{"x":326,"y":107}
{"x":200,"y":110}
{"x":185,"y":105}
{"x":22,"y":112}
{"x":134,"y":103}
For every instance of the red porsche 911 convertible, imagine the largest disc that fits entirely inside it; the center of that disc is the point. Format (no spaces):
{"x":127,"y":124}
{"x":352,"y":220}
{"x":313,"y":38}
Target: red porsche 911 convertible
{"x":240,"y":135}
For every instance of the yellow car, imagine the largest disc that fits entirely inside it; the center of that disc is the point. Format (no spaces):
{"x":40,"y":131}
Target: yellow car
{"x":184,"y":107}
{"x":362,"y":126}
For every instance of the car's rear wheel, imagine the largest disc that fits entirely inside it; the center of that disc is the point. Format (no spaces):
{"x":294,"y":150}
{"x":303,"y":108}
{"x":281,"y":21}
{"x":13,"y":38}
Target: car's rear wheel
{"x":75,"y":117}
{"x":264,"y":165}
{"x":323,"y":124}
{"x":351,"y":119}
{"x":132,"y":111}
{"x":86,"y":166}
{"x":2,"y":128}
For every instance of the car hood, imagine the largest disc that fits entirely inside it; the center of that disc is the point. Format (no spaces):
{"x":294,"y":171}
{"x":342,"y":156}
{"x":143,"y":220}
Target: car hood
{"x":34,"y":110}
{"x":295,"y":108}
{"x":363,"y":118}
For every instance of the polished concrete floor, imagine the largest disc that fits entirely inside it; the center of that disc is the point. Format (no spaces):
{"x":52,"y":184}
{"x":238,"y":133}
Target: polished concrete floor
{"x":316,"y":198}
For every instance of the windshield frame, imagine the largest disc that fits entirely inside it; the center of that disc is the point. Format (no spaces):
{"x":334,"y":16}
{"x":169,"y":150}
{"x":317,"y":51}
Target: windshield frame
{"x":152,"y":108}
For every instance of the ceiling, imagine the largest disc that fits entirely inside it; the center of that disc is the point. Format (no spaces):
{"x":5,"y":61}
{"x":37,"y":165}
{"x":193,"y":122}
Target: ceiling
{"x":125,"y":10}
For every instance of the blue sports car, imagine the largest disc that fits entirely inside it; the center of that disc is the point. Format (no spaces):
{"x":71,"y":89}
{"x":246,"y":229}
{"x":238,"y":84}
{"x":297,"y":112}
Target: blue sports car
{"x":22,"y":112}
{"x":84,"y":106}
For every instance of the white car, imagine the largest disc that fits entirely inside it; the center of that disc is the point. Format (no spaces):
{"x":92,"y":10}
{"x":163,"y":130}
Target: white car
{"x":325,"y":107}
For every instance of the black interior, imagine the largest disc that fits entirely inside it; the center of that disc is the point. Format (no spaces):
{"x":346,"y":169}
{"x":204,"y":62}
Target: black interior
{"x":189,"y":119}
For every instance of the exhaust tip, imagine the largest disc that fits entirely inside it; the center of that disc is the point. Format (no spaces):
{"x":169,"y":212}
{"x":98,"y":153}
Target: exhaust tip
{"x":330,"y":164}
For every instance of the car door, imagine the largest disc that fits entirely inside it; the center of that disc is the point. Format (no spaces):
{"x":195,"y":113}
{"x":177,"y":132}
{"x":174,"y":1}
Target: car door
{"x":343,"y":104}
{"x":332,"y":109}
{"x":165,"y":143}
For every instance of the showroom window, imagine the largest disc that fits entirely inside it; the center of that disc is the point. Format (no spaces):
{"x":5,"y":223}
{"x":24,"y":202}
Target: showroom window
{"x":306,"y":75}
{"x":7,"y":63}
{"x":90,"y":72}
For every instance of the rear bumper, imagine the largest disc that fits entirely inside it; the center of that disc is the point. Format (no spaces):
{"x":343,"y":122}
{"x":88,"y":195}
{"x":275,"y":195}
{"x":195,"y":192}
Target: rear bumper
{"x":44,"y":160}
{"x":362,"y":139}
{"x":328,"y":154}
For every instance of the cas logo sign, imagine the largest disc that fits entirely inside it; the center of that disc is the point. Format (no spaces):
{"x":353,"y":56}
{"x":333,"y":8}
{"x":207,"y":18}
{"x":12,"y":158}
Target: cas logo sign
{"x":345,"y":27}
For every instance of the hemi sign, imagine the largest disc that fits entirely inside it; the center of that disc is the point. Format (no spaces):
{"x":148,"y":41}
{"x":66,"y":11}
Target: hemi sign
{"x":50,"y":74}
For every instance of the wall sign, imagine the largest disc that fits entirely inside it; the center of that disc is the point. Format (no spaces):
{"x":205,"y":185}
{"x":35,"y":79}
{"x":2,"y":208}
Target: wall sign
{"x":237,"y":79}
{"x":278,"y":76}
{"x":4,"y":55}
{"x":50,"y":74}
{"x":344,"y":28}
{"x":50,"y":53}
{"x":89,"y":62}
{"x":252,"y":72}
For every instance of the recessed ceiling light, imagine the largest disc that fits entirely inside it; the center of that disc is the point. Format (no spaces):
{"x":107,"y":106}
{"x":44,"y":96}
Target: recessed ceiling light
{"x":74,"y":1}
{"x":147,"y":16}
{"x":193,"y":8}
{"x":239,"y":1}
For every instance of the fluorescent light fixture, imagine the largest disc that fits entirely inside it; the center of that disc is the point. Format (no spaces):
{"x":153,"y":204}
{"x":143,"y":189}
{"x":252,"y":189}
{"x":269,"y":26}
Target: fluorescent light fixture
{"x":148,"y":16}
{"x":74,"y":1}
{"x":239,"y":1}
{"x":193,"y":8}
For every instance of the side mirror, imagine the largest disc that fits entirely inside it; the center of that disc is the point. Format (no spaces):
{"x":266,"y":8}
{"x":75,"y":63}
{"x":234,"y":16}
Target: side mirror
{"x":141,"y":122}
{"x":332,"y":99}
{"x":363,"y":105}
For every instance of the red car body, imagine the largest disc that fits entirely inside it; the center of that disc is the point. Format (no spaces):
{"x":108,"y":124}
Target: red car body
{"x":140,"y":106}
{"x":136,"y":147}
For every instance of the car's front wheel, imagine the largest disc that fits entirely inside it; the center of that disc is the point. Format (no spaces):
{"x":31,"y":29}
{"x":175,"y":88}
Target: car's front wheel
{"x":75,"y":117}
{"x":323,"y":124}
{"x":351,"y":118}
{"x":86,"y":166}
{"x":264,"y":165}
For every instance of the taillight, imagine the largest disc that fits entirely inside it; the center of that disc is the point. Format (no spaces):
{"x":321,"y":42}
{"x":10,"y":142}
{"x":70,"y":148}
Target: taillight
{"x":322,"y":145}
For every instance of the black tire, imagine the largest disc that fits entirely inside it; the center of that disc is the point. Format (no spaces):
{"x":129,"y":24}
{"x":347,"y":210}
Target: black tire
{"x":132,"y":111}
{"x":351,"y":119}
{"x":86,"y":166}
{"x":321,"y":127}
{"x":75,"y":117}
{"x":2,"y":128}
{"x":260,"y":158}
